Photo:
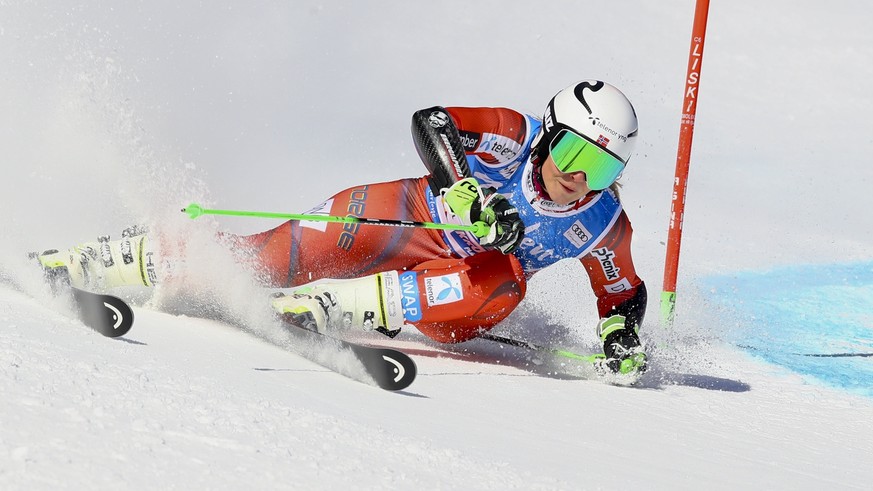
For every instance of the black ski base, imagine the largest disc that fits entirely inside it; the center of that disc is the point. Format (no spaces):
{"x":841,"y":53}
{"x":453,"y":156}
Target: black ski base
{"x":108,"y":315}
{"x":389,"y":368}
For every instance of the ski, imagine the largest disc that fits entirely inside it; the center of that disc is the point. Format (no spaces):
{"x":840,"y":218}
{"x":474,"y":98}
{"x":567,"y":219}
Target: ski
{"x":391,"y":369}
{"x":594,"y":361}
{"x":106,"y":314}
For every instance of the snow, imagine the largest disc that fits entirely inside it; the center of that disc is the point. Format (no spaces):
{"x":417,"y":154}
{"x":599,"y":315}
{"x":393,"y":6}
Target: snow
{"x":119,"y":113}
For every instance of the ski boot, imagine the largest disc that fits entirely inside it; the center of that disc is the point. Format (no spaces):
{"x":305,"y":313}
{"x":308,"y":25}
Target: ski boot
{"x":101,"y":265}
{"x":311,"y":308}
{"x":360,"y":303}
{"x":625,"y":355}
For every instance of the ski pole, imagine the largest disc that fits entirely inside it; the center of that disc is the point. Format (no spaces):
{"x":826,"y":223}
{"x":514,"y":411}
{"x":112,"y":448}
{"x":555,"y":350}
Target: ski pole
{"x":534,"y":347}
{"x":479,"y":229}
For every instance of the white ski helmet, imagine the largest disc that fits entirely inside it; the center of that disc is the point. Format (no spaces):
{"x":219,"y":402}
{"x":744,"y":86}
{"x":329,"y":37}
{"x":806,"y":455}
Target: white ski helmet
{"x":586,"y":113}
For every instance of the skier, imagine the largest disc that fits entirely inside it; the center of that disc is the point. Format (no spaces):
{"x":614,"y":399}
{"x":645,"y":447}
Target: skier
{"x":546,"y":189}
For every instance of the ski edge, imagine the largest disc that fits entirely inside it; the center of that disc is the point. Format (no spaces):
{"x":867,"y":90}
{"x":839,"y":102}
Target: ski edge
{"x":106,"y":314}
{"x":595,"y":361}
{"x":390,"y":369}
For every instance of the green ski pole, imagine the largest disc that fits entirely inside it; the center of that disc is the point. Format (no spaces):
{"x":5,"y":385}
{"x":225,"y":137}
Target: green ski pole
{"x":479,"y":229}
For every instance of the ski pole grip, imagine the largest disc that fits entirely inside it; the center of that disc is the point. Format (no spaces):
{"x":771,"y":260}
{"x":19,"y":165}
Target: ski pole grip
{"x":193,"y":210}
{"x":480,"y":229}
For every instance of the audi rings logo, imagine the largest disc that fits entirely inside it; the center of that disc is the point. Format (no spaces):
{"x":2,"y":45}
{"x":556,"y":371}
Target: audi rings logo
{"x":578,"y":235}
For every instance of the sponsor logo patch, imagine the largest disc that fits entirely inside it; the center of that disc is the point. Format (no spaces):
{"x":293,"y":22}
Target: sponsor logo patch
{"x":621,"y":286}
{"x":605,"y":256}
{"x":106,"y":254}
{"x":441,"y":290}
{"x":577,"y":234}
{"x":547,"y":122}
{"x":410,"y":298}
{"x":533,"y":248}
{"x":469,"y":139}
{"x":356,"y":208}
{"x":391,"y":291}
{"x":322,"y":209}
{"x":151,"y":268}
{"x":437,"y":119}
{"x":611,"y":131}
{"x":126,"y":251}
{"x":503,"y":149}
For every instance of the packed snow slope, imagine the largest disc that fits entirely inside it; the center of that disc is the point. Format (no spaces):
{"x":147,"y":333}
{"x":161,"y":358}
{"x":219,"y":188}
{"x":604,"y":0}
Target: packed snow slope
{"x":115,"y":113}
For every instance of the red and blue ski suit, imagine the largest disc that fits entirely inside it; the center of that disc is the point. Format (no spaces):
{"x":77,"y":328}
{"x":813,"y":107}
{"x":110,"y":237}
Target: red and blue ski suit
{"x":452,"y":287}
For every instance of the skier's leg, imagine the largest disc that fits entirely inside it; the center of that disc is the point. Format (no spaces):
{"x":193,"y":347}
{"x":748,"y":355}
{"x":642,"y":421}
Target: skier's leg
{"x":297,"y":253}
{"x":294,"y":253}
{"x":104,"y":264}
{"x":461,"y":298}
{"x":449,"y":300}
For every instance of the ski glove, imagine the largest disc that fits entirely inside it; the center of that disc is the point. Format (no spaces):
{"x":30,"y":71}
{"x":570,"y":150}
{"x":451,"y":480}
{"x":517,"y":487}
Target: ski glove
{"x":621,"y":346}
{"x":472,"y":202}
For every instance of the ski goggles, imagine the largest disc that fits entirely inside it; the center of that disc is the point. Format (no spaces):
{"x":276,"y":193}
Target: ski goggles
{"x":572,"y":152}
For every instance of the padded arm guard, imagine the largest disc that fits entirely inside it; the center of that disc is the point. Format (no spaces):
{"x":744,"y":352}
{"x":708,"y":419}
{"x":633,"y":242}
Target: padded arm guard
{"x":439,"y":146}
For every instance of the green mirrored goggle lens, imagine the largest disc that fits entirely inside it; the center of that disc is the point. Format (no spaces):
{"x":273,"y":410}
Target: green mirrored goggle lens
{"x":573,"y":153}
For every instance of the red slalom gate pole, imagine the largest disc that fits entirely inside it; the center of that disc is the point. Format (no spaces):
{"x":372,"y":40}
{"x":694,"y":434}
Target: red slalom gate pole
{"x":683,"y":160}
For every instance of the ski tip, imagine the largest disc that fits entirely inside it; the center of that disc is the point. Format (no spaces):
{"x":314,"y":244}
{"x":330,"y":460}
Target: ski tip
{"x":108,"y":315}
{"x":401,"y":371}
{"x":391,"y":369}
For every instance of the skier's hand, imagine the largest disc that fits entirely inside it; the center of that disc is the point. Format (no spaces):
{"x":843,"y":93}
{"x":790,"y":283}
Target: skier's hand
{"x":471,"y":202}
{"x":624,"y":352}
{"x":507,"y":229}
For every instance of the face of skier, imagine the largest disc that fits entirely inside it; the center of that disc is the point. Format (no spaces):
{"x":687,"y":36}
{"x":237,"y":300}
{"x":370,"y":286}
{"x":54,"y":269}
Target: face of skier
{"x":563,"y":188}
